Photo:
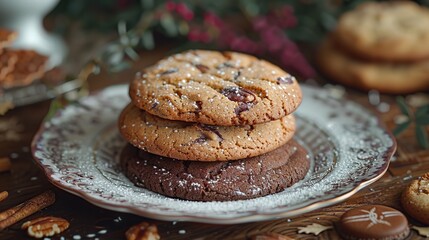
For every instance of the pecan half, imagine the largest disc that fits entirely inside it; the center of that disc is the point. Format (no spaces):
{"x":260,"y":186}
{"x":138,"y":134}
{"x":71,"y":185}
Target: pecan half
{"x":3,"y":195}
{"x":45,"y":226}
{"x":143,"y":231}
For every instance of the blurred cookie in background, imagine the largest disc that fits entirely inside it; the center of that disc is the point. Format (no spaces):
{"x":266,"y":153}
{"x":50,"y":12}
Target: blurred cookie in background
{"x":18,"y":67}
{"x":386,"y":77}
{"x":29,"y":66}
{"x":381,"y":46}
{"x":386,"y":31}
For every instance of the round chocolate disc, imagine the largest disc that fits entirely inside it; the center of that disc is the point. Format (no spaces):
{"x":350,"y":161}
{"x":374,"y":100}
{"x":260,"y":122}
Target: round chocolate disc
{"x":373,"y":222}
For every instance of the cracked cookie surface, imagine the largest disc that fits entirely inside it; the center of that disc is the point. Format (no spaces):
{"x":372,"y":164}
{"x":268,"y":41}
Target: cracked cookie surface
{"x":196,"y":141}
{"x":216,"y":88}
{"x":217,"y":181}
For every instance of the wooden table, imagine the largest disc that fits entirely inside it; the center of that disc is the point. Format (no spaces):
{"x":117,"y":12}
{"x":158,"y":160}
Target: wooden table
{"x":26,"y":180}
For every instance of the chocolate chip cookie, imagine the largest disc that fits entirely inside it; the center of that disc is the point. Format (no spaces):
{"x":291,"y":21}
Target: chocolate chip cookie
{"x":217,"y":181}
{"x":415,"y":199}
{"x":216,"y":88}
{"x":388,"y":31}
{"x":387,"y":77}
{"x":202,"y":142}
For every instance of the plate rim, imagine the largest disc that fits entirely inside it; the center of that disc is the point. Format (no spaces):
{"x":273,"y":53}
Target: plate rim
{"x":256,"y":216}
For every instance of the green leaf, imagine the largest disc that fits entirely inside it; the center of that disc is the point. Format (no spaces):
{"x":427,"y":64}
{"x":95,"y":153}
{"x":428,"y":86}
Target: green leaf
{"x":422,"y":136}
{"x":147,"y":40}
{"x":113,"y":54}
{"x":423,"y":120}
{"x":183,"y":28}
{"x":422,"y":115}
{"x":120,"y":66}
{"x":147,"y":4}
{"x":131,"y":53}
{"x":403,"y":106}
{"x":167,"y":22}
{"x":422,"y":110}
{"x":122,"y":28}
{"x":328,"y":20}
{"x":56,"y":105}
{"x":401,"y":127}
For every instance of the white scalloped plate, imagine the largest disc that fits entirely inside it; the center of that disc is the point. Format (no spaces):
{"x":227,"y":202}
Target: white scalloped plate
{"x":79,"y":147}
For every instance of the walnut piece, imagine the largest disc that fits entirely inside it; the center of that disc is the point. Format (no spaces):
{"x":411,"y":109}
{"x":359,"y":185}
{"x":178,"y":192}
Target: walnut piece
{"x":143,"y":231}
{"x":45,"y":226}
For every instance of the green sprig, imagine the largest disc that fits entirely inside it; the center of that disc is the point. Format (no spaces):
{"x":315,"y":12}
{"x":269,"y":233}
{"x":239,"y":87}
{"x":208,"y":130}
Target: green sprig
{"x":420,"y":118}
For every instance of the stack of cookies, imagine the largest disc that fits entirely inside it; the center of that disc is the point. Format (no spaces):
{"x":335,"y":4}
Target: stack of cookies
{"x":18,"y":67}
{"x":382,"y":46}
{"x":212,"y":126}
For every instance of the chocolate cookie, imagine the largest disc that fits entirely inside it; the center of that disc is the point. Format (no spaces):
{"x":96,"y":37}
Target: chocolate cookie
{"x":217,"y":88}
{"x":415,"y":199}
{"x":196,"y":141}
{"x":389,"y":31}
{"x":397,"y":78}
{"x":373,"y":222}
{"x":217,"y":181}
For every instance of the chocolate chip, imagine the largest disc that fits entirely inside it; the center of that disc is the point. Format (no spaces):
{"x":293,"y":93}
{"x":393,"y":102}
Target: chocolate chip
{"x":154,"y":104}
{"x":227,"y":55}
{"x":199,"y":106}
{"x":238,"y":94}
{"x":202,"y":68}
{"x":225,"y":65}
{"x":285,"y":80}
{"x":169,"y":71}
{"x":201,"y":139}
{"x":242,"y":107}
{"x":236,"y":75}
{"x":211,"y":129}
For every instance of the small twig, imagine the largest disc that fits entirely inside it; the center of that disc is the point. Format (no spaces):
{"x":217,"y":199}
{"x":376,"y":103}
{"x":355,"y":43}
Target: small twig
{"x":5,"y":164}
{"x":3,"y":195}
{"x":23,"y":210}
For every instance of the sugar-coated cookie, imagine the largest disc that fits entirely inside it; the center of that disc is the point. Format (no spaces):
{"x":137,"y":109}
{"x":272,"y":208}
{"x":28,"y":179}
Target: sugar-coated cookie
{"x":388,"y":31}
{"x":373,"y":222}
{"x":217,"y":181}
{"x":216,"y":88}
{"x":395,"y":78}
{"x":415,"y":199}
{"x":196,"y":141}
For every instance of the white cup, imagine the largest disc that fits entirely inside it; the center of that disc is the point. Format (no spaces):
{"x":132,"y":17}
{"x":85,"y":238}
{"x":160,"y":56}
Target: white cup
{"x":26,"y":18}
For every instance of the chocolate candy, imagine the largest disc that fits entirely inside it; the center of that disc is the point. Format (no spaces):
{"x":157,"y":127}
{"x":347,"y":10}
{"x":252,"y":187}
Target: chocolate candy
{"x":373,"y":222}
